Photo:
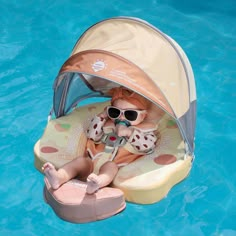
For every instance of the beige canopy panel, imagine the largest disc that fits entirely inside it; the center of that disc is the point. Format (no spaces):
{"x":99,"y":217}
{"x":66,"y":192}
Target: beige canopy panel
{"x":132,"y":53}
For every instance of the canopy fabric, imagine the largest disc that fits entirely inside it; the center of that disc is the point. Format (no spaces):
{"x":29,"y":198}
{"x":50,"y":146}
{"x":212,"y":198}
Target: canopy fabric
{"x":133,"y":53}
{"x":116,"y":69}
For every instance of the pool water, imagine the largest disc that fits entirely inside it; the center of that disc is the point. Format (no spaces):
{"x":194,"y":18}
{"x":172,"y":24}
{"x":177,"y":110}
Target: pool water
{"x":37,"y":37}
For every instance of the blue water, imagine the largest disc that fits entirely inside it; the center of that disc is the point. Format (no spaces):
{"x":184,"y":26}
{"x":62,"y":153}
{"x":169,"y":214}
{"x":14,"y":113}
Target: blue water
{"x":36,"y":37}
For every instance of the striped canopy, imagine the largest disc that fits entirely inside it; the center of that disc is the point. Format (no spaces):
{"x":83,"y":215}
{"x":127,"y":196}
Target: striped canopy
{"x":132,"y":53}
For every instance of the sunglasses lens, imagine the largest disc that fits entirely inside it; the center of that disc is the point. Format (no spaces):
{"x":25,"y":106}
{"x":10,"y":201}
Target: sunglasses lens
{"x":113,"y":112}
{"x":131,"y":115}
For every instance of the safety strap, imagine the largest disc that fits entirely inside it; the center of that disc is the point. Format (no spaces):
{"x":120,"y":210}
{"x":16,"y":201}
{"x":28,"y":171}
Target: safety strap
{"x":112,"y":143}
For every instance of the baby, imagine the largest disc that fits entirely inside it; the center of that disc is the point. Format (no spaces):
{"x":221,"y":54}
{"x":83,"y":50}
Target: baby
{"x":120,"y":132}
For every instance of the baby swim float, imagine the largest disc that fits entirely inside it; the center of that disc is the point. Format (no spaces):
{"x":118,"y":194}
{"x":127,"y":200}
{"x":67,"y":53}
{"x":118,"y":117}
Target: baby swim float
{"x":146,"y":61}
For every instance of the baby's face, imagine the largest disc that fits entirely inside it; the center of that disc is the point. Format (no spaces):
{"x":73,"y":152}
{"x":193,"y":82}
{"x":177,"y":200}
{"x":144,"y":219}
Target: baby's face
{"x":124,"y":105}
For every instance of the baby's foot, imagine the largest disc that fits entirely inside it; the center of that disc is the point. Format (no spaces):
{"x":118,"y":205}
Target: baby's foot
{"x":51,"y":175}
{"x":92,"y":183}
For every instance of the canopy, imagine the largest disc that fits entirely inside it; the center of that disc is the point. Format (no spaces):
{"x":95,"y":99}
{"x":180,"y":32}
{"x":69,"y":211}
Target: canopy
{"x":132,"y":53}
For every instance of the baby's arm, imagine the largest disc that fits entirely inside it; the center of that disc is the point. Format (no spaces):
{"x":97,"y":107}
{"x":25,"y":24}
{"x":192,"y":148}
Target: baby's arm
{"x":95,"y":129}
{"x":143,"y":142}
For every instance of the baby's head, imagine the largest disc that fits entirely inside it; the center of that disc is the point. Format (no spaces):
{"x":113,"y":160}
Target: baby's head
{"x":132,"y":106}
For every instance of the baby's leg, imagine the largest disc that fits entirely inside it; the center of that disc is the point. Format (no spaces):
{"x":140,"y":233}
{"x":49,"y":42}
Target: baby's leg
{"x":106,"y":174}
{"x":81,"y":166}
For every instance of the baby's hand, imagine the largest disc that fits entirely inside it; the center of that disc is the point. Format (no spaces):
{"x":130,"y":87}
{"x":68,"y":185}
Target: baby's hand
{"x":103,"y":114}
{"x":123,"y":131}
